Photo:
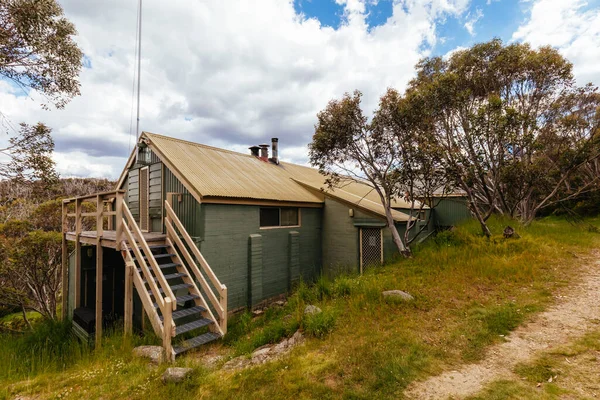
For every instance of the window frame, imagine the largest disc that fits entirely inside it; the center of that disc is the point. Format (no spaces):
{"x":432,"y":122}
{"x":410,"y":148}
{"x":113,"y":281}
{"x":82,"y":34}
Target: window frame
{"x":280,"y":226}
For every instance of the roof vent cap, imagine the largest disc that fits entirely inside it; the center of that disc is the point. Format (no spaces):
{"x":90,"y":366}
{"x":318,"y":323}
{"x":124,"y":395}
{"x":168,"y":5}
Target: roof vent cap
{"x":264,"y":152}
{"x":254,"y":150}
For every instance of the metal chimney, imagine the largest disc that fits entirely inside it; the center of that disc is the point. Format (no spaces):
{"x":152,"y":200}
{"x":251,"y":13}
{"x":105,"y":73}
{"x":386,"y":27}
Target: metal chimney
{"x":275,"y":150}
{"x":264,"y":152}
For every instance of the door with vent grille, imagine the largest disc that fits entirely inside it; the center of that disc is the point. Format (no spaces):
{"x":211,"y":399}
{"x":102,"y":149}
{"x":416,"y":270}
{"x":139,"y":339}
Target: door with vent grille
{"x":144,"y":209}
{"x":371,"y":248}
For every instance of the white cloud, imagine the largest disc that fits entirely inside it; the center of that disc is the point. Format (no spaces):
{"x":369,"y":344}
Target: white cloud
{"x":472,"y":19}
{"x":572,"y":28}
{"x":226,"y":73}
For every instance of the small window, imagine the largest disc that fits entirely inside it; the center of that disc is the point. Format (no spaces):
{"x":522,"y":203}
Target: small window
{"x":278,"y":216}
{"x":289,"y":216}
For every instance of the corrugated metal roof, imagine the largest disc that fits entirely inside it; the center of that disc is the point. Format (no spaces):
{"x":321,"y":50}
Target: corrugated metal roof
{"x":363,"y":202}
{"x":351,"y":188}
{"x":215,"y":172}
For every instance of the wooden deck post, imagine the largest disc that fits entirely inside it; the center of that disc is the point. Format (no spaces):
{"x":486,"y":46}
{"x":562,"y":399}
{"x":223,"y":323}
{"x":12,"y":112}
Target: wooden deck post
{"x":99,"y":275}
{"x":128,"y":297}
{"x":99,"y":267}
{"x":168,"y":329}
{"x":65,"y":264}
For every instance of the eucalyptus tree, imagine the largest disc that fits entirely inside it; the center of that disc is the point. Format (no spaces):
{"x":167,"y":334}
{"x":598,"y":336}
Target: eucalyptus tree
{"x":513,"y":127}
{"x":345,"y":148}
{"x":391,"y":153}
{"x":37,"y":49}
{"x":37,"y":53}
{"x":420,"y":174}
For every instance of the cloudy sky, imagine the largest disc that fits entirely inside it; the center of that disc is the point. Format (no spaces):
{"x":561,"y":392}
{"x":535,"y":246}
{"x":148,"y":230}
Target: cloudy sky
{"x":232,"y":73}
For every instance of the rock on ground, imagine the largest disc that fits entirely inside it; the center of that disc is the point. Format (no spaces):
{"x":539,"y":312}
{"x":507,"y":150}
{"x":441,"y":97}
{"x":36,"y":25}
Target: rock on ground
{"x":310,"y":309}
{"x":398,"y":294}
{"x":176,"y":374}
{"x":265,"y":353}
{"x":153,"y":353}
{"x":210,"y":361}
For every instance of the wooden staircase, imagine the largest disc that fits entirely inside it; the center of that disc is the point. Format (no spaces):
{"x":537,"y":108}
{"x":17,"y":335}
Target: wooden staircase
{"x":174,"y":282}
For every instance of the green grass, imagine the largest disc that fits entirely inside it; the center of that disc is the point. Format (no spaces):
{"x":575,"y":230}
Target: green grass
{"x":469,"y":291}
{"x":14,"y":322}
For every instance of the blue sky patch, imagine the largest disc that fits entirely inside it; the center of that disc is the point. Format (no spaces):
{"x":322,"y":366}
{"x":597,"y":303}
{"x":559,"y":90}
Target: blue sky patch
{"x":378,"y":13}
{"x":87,"y":62}
{"x":499,"y":18}
{"x":328,"y":12}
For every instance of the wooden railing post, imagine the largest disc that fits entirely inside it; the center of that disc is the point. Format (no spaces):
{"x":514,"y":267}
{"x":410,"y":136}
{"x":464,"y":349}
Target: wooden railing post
{"x":65,"y":264}
{"x":223,"y":319}
{"x":119,"y":217}
{"x":168,"y":329}
{"x":99,"y":216}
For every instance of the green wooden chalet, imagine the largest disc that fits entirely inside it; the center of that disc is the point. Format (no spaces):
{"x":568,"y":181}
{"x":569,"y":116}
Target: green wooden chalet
{"x":193,"y":233}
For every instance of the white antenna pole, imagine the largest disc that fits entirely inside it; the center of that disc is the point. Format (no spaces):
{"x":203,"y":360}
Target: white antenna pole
{"x":139,"y":60}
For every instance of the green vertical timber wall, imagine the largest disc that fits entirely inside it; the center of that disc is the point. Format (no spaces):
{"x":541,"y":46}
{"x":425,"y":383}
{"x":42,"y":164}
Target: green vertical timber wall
{"x":227,"y":229}
{"x":188,"y":210}
{"x":451,"y":211}
{"x":255,"y":269}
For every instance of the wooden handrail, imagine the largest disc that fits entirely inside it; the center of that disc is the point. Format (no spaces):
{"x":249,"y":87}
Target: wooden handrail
{"x":209,"y":272}
{"x":105,"y":196}
{"x":146,"y":272}
{"x":194,"y":289}
{"x":171,"y":234}
{"x":220,"y":304}
{"x":148,"y":253}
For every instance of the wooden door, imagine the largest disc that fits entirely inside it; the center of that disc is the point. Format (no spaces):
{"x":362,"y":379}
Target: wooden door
{"x":144,"y":200}
{"x":371,"y":247}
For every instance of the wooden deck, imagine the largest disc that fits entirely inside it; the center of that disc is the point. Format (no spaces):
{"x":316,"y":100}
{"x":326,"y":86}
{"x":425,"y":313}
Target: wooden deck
{"x":109,"y":238}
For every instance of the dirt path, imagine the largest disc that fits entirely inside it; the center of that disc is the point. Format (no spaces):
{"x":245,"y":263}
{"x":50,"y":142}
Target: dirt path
{"x":570,"y":317}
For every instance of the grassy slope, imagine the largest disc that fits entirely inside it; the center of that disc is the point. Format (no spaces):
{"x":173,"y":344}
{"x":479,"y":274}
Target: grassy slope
{"x":468,"y":291}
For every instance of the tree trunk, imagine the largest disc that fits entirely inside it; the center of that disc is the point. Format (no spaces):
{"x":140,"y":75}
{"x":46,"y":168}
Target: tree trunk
{"x":475,"y":209}
{"x":395,"y":235}
{"x":25,"y":317}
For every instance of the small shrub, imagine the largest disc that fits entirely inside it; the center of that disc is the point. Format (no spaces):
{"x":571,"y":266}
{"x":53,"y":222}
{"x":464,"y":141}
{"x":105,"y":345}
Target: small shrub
{"x":343,"y":286}
{"x":323,"y":288}
{"x":446,"y":238}
{"x":319,"y":324}
{"x":304,"y":293}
